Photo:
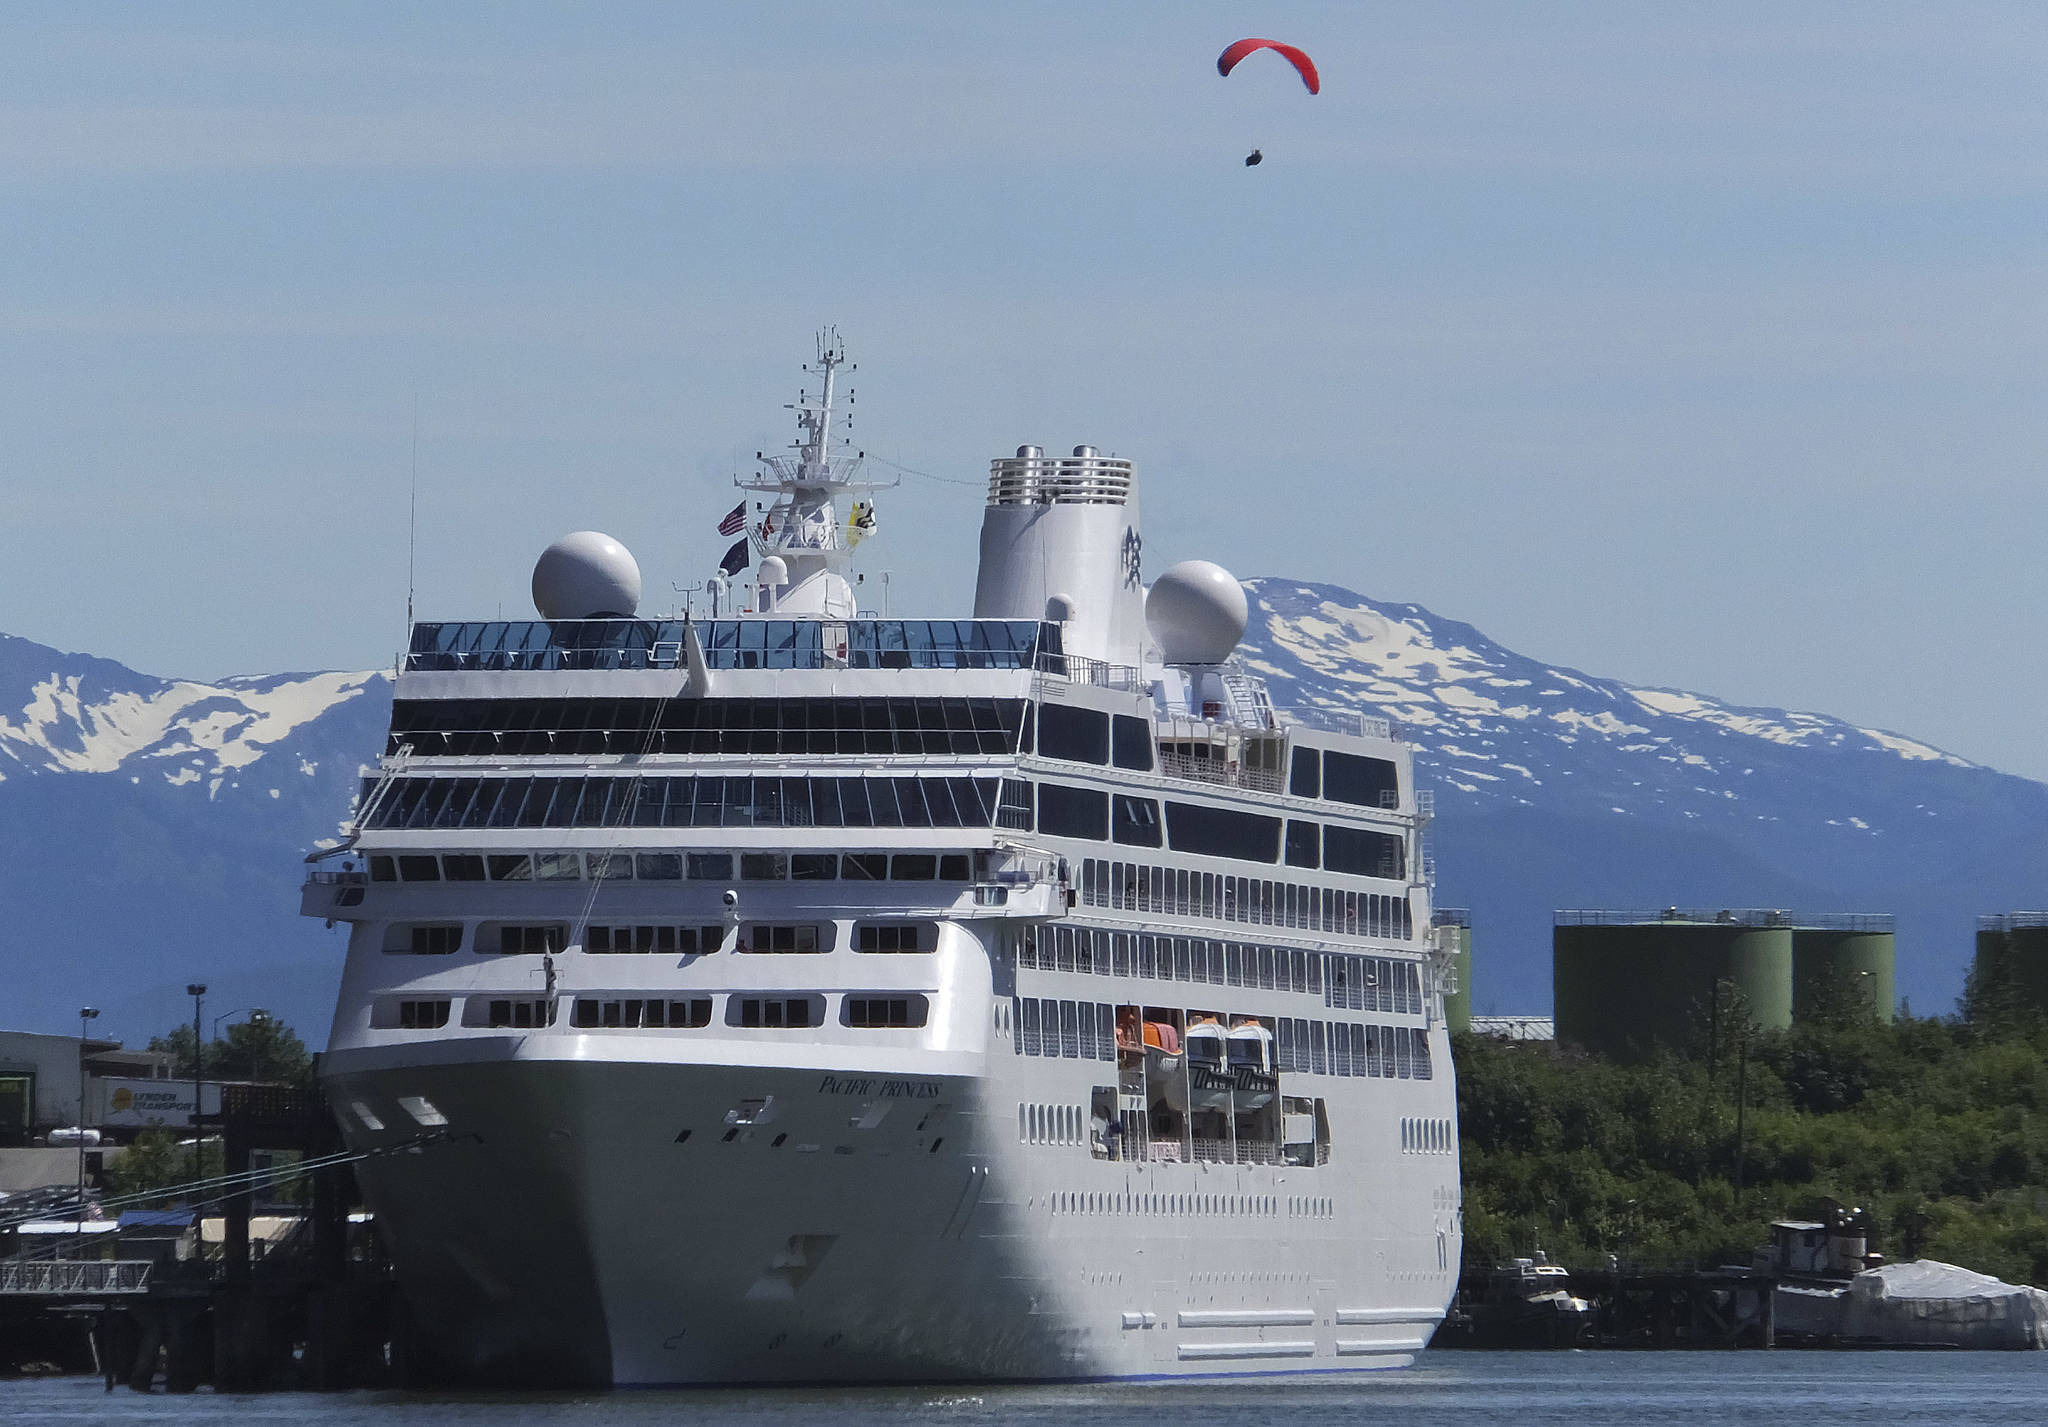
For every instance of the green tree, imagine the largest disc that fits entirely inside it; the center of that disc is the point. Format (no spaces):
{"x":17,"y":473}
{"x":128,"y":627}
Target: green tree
{"x":260,"y":1048}
{"x":156,"y":1160}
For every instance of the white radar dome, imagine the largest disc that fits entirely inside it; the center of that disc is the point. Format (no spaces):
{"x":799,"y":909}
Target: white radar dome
{"x":587,"y":575}
{"x":1197,"y":611}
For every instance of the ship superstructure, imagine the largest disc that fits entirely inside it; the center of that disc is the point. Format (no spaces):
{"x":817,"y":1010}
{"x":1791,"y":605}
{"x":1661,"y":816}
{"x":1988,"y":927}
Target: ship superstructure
{"x":812,"y":996}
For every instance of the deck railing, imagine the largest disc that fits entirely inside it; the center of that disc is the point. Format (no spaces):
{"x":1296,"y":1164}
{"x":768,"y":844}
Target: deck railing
{"x":1218,"y":771}
{"x":1728,"y":917}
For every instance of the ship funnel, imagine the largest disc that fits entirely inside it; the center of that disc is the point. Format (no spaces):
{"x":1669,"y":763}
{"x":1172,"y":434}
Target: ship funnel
{"x":1065,"y":527}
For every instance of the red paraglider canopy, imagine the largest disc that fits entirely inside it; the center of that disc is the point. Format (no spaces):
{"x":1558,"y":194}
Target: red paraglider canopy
{"x":1227,"y":61}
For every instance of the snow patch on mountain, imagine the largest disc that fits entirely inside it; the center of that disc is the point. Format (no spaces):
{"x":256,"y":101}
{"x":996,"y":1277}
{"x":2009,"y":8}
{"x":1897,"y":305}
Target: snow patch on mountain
{"x":83,"y":715}
{"x":1471,"y":706}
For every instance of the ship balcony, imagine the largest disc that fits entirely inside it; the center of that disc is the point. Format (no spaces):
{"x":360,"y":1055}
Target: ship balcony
{"x":332,"y":895}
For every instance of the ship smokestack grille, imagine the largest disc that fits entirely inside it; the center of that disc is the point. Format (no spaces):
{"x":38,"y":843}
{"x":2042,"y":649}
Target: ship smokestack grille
{"x":1084,"y":478}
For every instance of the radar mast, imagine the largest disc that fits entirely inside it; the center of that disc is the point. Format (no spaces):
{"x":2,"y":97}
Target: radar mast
{"x":803,"y":530}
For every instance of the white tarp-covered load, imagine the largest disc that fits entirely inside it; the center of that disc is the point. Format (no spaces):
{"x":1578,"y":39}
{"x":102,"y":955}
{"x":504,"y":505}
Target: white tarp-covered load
{"x":1926,"y":1302}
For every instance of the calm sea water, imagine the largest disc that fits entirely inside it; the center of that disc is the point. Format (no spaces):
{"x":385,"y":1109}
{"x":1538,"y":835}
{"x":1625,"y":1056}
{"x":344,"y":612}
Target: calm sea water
{"x":1743,"y":1389}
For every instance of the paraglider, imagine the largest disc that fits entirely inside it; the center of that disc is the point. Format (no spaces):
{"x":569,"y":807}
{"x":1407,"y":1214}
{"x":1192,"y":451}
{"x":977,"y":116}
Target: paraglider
{"x":1303,"y":65}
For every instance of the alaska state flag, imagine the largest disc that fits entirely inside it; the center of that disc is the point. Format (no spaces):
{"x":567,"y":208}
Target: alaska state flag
{"x":736,"y":558}
{"x":734,"y":523}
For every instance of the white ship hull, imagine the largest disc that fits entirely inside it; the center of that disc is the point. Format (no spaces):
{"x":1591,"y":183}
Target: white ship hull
{"x":561,"y":1235}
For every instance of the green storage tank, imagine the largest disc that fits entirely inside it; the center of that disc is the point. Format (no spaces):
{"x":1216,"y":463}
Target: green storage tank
{"x":1458,"y":1005}
{"x":2013,"y":948}
{"x":1843,"y":958}
{"x":1630,"y":980}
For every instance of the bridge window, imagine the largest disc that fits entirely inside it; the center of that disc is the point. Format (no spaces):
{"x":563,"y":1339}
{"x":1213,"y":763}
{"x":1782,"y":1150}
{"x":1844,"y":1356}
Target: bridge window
{"x":416,"y":1015}
{"x":1304,"y":844}
{"x":1366,"y":782}
{"x":1363,"y":853}
{"x":522,"y":939}
{"x":1135,"y":821}
{"x":1132,"y":738}
{"x":874,"y":1012}
{"x":658,"y":940}
{"x":1222,"y":832}
{"x":1014,"y":809}
{"x":800,"y":938}
{"x":432,"y":939}
{"x":893,"y":937}
{"x":519,"y":1014}
{"x":1305,"y":778}
{"x":1074,"y":735}
{"x":634,"y":1013}
{"x":1072,"y":812}
{"x":775,"y":1012}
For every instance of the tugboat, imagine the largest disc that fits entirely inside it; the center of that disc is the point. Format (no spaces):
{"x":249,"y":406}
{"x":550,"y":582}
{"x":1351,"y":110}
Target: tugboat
{"x":1523,"y":1303}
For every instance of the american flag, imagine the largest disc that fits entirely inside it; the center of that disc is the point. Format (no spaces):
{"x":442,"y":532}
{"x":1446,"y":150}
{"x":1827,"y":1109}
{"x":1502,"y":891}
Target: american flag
{"x":734,"y":523}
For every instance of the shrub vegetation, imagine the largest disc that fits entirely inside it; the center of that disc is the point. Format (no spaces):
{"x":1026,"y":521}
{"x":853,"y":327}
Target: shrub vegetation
{"x":1938,"y":1127}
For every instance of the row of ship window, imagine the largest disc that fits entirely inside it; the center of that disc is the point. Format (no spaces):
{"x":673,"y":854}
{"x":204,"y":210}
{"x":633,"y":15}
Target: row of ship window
{"x":793,"y":727}
{"x":632,"y":801}
{"x":894,"y":1010}
{"x":1220,"y":897}
{"x":671,"y":866}
{"x":830,"y":727}
{"x":739,"y":644}
{"x":1086,"y":1030}
{"x":1054,"y":809}
{"x":546,"y":938}
{"x":1343,"y":980}
{"x":1134,"y":820}
{"x":1034,"y":1130}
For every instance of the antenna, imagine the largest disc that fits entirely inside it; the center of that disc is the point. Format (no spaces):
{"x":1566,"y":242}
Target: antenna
{"x":412,"y":525}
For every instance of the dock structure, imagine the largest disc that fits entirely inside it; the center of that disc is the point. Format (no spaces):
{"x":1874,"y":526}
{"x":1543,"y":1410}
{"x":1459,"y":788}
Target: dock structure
{"x":306,"y":1314}
{"x":1531,"y":1303}
{"x":1692,"y":1308}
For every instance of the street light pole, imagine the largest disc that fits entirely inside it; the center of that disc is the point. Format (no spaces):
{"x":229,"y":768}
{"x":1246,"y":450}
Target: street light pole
{"x":86,"y":1014}
{"x":197,"y":991}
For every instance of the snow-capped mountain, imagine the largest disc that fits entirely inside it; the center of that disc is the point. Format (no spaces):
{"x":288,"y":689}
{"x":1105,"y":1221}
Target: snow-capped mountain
{"x":83,"y":715}
{"x":152,"y":829}
{"x":151,"y":832}
{"x":1556,"y":789}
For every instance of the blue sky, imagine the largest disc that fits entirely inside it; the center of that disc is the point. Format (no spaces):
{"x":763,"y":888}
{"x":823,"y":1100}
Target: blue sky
{"x":1698,"y":346}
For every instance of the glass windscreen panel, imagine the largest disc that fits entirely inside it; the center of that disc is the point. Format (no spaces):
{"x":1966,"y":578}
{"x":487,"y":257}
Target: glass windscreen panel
{"x":735,"y":644}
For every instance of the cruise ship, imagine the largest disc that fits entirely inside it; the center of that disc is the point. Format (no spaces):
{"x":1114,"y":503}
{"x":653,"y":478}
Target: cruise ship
{"x":797,"y":994}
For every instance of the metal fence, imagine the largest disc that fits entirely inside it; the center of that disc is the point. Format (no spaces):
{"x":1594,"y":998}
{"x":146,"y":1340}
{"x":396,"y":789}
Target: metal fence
{"x":69,"y":1277}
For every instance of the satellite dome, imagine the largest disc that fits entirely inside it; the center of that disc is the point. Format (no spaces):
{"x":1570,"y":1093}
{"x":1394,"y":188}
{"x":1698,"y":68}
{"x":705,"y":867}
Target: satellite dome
{"x":587,"y":575}
{"x":1197,"y":611}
